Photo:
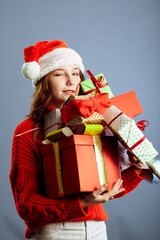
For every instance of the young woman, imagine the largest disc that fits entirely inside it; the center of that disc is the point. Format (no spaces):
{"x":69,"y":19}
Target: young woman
{"x":56,"y":72}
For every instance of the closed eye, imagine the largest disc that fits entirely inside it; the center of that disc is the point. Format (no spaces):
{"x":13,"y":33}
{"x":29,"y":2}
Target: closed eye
{"x":58,"y":74}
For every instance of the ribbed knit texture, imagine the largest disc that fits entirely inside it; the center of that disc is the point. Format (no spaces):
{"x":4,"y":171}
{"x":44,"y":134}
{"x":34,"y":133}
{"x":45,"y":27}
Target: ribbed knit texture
{"x":27,"y":183}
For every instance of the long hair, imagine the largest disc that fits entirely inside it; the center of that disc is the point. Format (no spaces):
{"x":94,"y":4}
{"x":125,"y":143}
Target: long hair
{"x":40,"y":99}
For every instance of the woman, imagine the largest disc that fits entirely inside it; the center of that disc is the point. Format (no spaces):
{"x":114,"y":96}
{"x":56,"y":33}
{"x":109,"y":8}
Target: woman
{"x":55,"y":71}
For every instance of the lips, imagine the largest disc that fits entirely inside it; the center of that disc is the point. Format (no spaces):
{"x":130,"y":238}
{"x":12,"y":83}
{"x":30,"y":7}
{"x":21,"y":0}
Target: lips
{"x":69,"y":91}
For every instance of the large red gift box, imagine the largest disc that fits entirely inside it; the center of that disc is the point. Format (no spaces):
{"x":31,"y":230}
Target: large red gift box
{"x":79,"y":165}
{"x":80,"y":173}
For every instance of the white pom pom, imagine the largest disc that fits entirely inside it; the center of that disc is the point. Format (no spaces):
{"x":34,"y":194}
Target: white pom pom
{"x":31,"y":70}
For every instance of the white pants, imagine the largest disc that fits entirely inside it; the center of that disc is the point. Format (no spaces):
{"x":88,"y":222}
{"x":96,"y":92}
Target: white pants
{"x":89,"y":230}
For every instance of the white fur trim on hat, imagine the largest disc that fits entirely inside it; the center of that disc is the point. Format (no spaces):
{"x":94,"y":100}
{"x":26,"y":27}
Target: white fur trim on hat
{"x":50,"y":61}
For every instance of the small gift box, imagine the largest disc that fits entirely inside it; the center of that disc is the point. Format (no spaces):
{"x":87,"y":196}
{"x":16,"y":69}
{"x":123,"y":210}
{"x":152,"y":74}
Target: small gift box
{"x":95,"y":84}
{"x":84,"y":109}
{"x":56,"y":135}
{"x":130,"y":134}
{"x":52,"y":121}
{"x":90,"y":129}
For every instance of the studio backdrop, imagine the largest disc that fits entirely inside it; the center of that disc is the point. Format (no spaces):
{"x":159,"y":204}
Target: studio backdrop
{"x":120,"y":39}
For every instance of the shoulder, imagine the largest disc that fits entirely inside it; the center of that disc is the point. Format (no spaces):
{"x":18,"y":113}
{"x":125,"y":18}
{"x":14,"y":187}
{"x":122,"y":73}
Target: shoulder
{"x":25,"y":131}
{"x":25,"y":125}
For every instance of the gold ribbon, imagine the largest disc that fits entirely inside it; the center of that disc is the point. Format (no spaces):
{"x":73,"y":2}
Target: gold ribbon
{"x":100,"y":159}
{"x":58,"y":168}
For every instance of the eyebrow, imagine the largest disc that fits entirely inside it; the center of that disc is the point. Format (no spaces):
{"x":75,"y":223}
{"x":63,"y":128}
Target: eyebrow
{"x":61,"y":69}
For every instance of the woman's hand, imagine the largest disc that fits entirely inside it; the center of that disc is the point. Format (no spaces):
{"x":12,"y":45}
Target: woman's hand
{"x":98,"y":196}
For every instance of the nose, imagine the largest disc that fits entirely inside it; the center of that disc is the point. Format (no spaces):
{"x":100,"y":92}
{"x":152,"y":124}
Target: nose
{"x":70,"y":80}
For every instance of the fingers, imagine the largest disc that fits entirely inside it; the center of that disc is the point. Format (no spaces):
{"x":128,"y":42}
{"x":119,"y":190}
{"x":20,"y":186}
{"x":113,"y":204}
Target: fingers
{"x":100,"y":190}
{"x":116,"y":189}
{"x":98,"y":196}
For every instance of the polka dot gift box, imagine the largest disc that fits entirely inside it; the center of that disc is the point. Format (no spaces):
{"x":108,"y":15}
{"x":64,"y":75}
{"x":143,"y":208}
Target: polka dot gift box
{"x":130,"y":134}
{"x":155,"y":165}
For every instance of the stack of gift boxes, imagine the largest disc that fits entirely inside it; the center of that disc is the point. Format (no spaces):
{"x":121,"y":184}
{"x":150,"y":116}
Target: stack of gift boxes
{"x":84,"y":140}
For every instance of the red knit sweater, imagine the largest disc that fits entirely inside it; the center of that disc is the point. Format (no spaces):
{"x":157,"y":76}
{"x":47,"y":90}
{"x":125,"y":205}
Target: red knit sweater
{"x":27,"y":183}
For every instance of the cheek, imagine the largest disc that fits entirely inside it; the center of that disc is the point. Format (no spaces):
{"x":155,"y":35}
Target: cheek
{"x":53,"y":85}
{"x":78,"y":87}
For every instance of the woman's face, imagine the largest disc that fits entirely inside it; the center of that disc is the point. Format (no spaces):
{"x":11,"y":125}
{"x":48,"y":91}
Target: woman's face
{"x":63,"y":82}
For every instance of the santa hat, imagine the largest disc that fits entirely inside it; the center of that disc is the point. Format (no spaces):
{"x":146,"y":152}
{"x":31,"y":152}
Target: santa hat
{"x":45,"y":57}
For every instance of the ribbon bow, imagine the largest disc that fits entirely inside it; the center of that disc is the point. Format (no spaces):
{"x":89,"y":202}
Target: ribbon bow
{"x":98,"y":83}
{"x":99,"y":103}
{"x":142,"y":124}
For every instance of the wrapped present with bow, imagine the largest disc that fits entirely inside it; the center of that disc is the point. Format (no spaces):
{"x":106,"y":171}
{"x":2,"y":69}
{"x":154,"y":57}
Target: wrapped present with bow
{"x":84,"y":109}
{"x":89,"y":109}
{"x":130,"y":134}
{"x":95,"y":85}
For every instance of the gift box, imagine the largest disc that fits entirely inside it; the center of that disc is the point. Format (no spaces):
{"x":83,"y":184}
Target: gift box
{"x":130,"y":134}
{"x":128,"y":104}
{"x":80,"y":173}
{"x":90,"y":129}
{"x":88,"y":162}
{"x":155,"y":165}
{"x":106,"y":149}
{"x":58,"y":134}
{"x":52,"y":121}
{"x":96,"y":84}
{"x":84,"y":109}
{"x":89,"y":109}
{"x":52,"y":170}
{"x":122,"y":150}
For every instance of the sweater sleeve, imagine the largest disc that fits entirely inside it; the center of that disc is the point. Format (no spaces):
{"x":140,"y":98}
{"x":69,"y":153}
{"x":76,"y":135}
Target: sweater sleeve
{"x":131,"y":180}
{"x":24,"y":179}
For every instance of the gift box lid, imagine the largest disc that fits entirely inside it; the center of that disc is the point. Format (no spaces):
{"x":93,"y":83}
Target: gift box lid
{"x":128,"y":104}
{"x":76,"y":139}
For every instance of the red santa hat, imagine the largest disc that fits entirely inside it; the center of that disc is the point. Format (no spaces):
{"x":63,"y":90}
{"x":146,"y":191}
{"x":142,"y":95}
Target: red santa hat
{"x":45,"y":57}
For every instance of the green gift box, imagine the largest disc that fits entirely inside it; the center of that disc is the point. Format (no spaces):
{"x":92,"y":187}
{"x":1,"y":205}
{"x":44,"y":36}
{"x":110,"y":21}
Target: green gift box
{"x":96,"y":84}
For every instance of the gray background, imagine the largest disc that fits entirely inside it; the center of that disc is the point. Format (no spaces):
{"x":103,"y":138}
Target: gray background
{"x":120,"y":38}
